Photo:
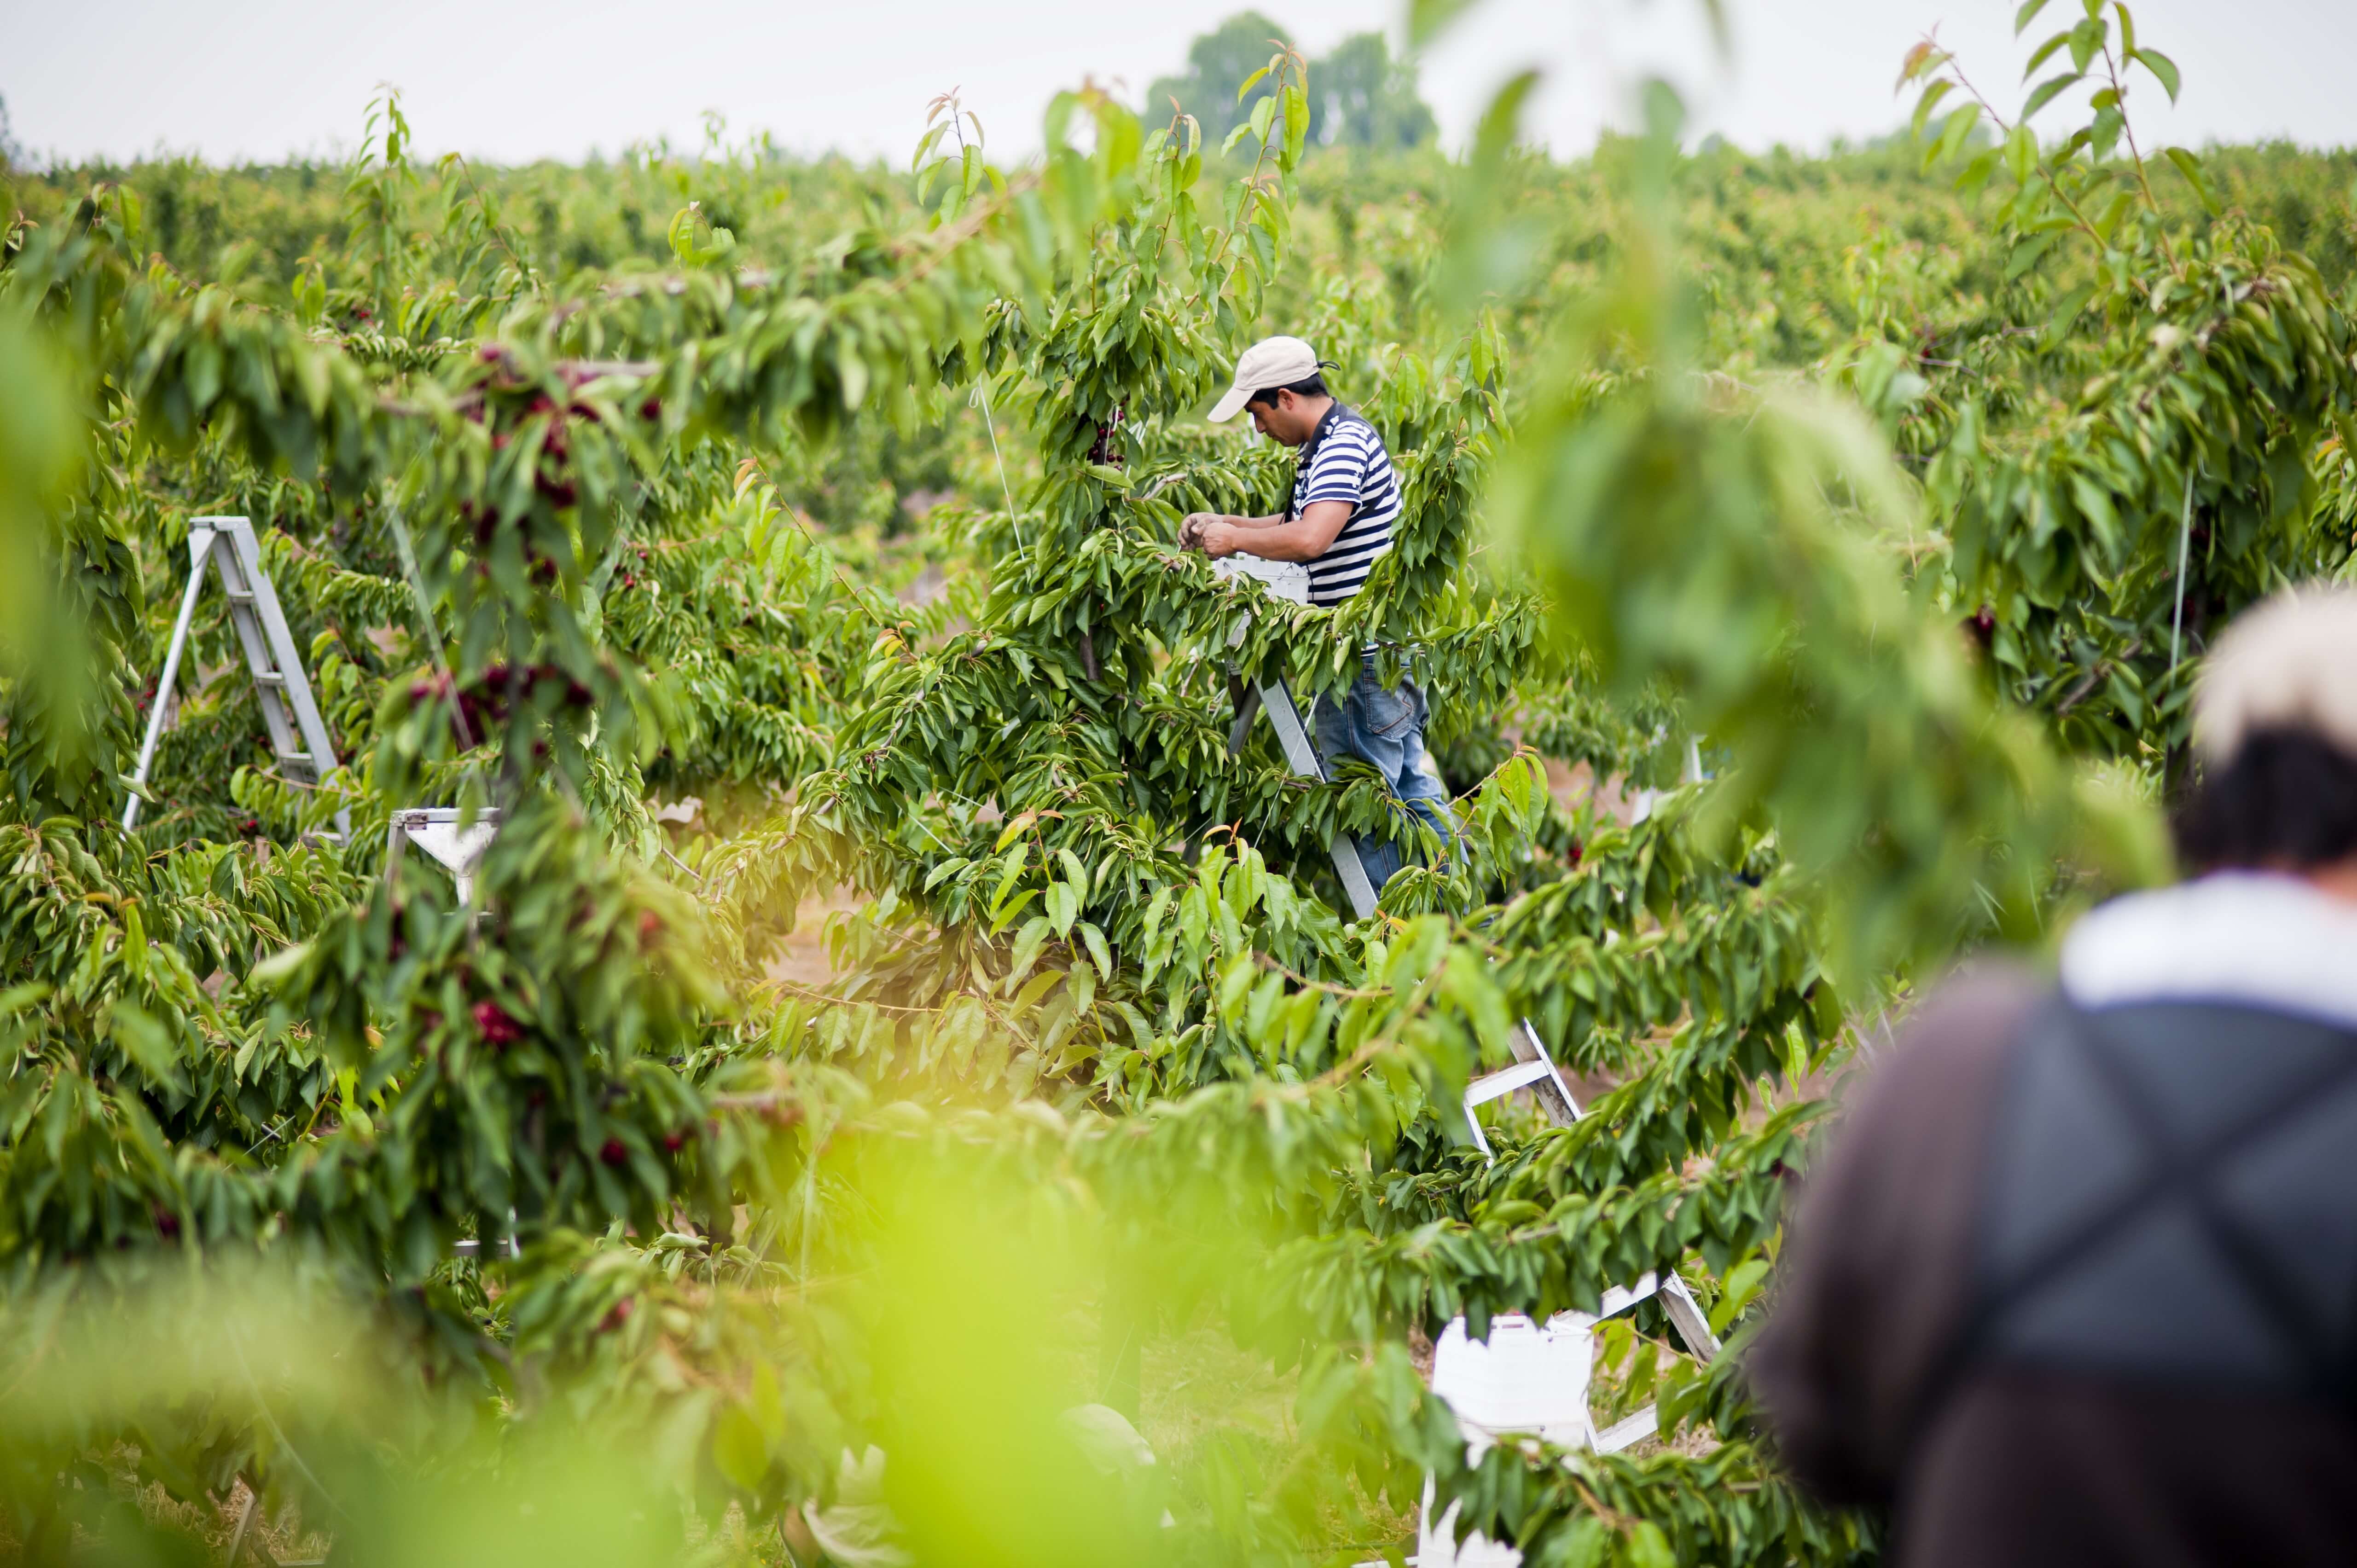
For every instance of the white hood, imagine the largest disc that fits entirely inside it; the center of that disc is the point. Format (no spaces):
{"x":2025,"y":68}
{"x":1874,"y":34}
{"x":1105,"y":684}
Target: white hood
{"x":2249,"y":938}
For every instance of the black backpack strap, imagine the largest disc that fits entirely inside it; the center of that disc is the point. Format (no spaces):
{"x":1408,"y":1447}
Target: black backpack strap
{"x":2174,"y":1168}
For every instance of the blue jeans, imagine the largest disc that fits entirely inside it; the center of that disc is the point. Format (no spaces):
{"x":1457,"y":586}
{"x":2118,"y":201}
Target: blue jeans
{"x":1385,"y":730}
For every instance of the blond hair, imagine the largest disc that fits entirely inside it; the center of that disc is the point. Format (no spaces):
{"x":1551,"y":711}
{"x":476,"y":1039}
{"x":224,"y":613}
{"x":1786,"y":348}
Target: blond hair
{"x":2290,"y":663}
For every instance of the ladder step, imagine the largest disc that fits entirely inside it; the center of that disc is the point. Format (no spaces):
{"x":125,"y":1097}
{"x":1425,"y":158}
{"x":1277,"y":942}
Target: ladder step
{"x":239,"y":596}
{"x":269,"y":678}
{"x":1498,"y":1085}
{"x":1627,"y":1434}
{"x":304,"y":757}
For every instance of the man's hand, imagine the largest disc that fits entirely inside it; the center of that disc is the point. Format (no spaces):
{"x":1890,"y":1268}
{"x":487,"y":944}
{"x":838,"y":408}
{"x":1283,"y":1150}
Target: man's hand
{"x":1190,"y":530}
{"x":1219,"y":539}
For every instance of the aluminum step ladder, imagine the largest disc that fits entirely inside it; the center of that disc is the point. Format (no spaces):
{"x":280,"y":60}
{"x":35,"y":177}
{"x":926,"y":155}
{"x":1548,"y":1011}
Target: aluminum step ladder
{"x":298,"y":738}
{"x":1530,"y":1377}
{"x":1290,"y":580}
{"x":437,"y":830}
{"x":1533,"y":1069}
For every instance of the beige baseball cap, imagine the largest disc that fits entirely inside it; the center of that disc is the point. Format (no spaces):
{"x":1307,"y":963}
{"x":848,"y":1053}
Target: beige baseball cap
{"x":2290,"y":663}
{"x":1272,"y":363}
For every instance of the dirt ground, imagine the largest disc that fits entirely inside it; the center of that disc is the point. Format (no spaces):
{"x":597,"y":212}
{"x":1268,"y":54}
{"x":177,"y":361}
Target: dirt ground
{"x":801,"y":959}
{"x":1573,"y":784}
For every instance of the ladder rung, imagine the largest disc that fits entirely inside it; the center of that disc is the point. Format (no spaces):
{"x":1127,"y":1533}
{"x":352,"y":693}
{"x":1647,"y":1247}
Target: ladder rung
{"x":302,"y":757}
{"x":1499,"y":1084}
{"x":269,"y":678}
{"x":1627,"y":1434}
{"x":239,"y":596}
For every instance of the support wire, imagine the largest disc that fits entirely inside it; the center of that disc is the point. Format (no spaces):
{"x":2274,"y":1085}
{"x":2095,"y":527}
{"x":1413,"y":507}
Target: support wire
{"x":981,"y":400}
{"x":2184,"y":546}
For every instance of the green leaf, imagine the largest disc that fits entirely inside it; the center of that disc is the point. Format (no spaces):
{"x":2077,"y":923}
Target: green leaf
{"x":1008,"y":873}
{"x":1502,"y":122}
{"x":1033,"y":989}
{"x":2021,"y":153}
{"x":286,"y":961}
{"x":1264,"y":116}
{"x":2027,"y":255}
{"x":2027,"y":14}
{"x":1740,"y":1286}
{"x":1426,"y":19}
{"x":2127,"y":27}
{"x":146,"y":1043}
{"x":2043,"y":93}
{"x":2087,"y":41}
{"x":1028,"y":943}
{"x":1978,"y":172}
{"x":737,"y":1451}
{"x":2104,"y":134}
{"x":2164,"y":70}
{"x":2191,"y":167}
{"x":2066,"y":314}
{"x":1098,"y":948}
{"x":19,"y":997}
{"x":1254,"y":80}
{"x":2044,"y":52}
{"x":1649,"y":1547}
{"x":1924,"y":105}
{"x":1953,"y":133}
{"x":925,"y":147}
{"x":1004,"y":915}
{"x":1235,"y":983}
{"x":1063,"y":905}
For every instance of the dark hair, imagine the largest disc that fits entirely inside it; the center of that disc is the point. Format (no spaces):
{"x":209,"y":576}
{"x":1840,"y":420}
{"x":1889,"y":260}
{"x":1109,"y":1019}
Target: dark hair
{"x":1311,"y":385}
{"x":2288,"y":799}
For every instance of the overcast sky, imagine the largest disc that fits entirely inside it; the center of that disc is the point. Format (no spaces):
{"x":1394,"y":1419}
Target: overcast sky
{"x":512,"y":80}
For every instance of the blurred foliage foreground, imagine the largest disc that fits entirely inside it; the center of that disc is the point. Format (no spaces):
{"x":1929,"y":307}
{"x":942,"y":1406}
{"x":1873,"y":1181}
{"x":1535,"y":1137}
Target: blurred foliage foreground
{"x":809,"y":551}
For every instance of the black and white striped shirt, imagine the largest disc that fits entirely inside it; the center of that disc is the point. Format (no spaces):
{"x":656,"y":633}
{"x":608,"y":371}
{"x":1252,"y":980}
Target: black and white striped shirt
{"x":1345,"y":461}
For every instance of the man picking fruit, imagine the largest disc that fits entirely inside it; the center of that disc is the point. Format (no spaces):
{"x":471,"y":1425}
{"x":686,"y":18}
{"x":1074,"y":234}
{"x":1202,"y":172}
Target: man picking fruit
{"x":1346,"y":497}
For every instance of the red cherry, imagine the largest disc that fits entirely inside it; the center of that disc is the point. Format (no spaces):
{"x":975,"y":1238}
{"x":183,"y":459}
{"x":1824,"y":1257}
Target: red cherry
{"x":614,"y":1153}
{"x":496,"y":1026}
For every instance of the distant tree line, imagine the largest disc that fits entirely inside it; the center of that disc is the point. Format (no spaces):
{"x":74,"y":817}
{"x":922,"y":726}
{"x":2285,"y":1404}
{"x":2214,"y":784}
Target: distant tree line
{"x":1359,"y":95}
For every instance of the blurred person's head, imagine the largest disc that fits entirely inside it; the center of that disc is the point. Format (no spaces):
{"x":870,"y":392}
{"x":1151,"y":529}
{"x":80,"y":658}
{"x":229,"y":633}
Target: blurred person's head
{"x":2274,"y":728}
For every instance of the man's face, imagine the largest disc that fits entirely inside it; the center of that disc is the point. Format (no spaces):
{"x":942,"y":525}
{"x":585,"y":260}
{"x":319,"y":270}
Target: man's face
{"x":1283,"y":419}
